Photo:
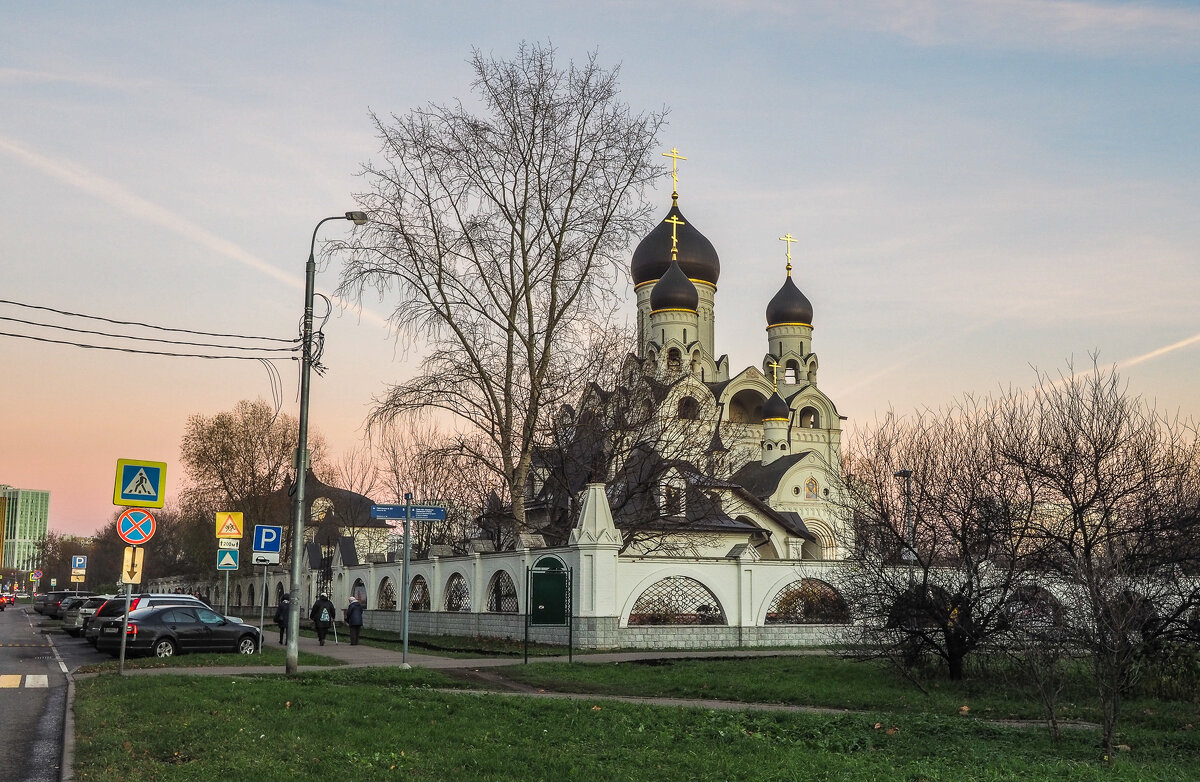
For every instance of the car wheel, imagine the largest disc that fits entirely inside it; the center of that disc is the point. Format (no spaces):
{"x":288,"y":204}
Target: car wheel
{"x":246,"y":645}
{"x":164,"y":647}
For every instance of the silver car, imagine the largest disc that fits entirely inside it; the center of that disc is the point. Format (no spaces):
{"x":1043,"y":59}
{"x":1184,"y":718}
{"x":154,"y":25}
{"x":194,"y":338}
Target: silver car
{"x":76,"y":617}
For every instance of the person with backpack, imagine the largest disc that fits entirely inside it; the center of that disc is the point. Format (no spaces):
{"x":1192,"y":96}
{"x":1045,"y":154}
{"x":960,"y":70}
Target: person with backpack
{"x":322,"y":616}
{"x":281,"y":615}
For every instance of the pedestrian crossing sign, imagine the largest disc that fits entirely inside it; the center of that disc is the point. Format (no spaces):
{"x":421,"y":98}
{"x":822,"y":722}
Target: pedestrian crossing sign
{"x":140,"y":484}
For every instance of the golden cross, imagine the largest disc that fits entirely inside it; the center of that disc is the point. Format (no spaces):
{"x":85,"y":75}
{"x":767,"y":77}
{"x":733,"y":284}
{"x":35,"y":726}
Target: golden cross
{"x":675,"y":158}
{"x":789,"y":239}
{"x":774,"y":365}
{"x":675,"y":223}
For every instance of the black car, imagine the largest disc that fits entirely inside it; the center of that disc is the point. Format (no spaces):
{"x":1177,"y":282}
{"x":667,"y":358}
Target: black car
{"x":115,"y":607}
{"x":168,"y":630}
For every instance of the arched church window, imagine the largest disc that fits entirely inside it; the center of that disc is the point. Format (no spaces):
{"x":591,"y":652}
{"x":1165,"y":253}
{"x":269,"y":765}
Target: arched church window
{"x":791,"y":373}
{"x":672,"y":500}
{"x":812,"y":372}
{"x":746,"y":407}
{"x":677,"y":600}
{"x":807,"y":601}
{"x":689,"y":409}
{"x":674,"y":361}
{"x":810,"y":418}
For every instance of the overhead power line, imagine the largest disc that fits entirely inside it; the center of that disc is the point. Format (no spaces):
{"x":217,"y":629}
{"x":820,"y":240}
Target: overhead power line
{"x":142,"y":325}
{"x":144,"y":352}
{"x":294,"y":348}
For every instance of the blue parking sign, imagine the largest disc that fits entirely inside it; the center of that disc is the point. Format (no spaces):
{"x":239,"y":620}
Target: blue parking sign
{"x":267,"y":539}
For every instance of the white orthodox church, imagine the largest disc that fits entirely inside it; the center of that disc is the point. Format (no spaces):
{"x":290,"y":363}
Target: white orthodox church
{"x":747,"y":533}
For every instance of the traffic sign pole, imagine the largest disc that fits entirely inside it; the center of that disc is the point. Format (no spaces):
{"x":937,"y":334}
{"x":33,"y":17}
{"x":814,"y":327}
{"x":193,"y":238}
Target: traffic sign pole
{"x":406,"y":597}
{"x":125,"y":621}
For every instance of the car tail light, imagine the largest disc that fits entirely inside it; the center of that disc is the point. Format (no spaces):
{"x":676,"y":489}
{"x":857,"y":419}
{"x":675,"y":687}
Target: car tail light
{"x":133,"y":603}
{"x":131,"y":629}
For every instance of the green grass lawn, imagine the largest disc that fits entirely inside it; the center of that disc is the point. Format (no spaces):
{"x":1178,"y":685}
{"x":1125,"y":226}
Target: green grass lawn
{"x":450,"y":646}
{"x":383,"y":723}
{"x":270,"y":655}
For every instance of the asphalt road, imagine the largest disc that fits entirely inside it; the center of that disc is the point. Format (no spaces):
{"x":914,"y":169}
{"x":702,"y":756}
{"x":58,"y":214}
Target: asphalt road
{"x":33,"y":696}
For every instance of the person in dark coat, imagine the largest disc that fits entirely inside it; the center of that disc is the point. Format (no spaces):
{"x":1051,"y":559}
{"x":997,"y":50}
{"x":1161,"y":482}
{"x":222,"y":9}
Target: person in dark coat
{"x":322,"y":614}
{"x":354,"y":619}
{"x":281,"y":615}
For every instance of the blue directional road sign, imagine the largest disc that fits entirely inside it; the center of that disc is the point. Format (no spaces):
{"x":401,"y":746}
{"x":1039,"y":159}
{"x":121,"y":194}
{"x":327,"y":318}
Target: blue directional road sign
{"x":78,"y":561}
{"x":267,"y":539}
{"x":416,"y":512}
{"x":227,"y":559}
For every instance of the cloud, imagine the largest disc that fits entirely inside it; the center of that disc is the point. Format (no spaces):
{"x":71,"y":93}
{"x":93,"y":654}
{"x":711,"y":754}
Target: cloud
{"x":114,"y":194}
{"x":1038,"y":25}
{"x":21,"y":76}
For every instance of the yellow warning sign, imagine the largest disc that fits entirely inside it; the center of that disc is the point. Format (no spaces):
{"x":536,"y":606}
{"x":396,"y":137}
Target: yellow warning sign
{"x":229,"y":524}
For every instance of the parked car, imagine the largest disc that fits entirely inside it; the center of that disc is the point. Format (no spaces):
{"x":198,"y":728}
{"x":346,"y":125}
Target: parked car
{"x":170,"y":630}
{"x":50,"y":601}
{"x":75,"y":617}
{"x":57,"y":611}
{"x":115,"y":607}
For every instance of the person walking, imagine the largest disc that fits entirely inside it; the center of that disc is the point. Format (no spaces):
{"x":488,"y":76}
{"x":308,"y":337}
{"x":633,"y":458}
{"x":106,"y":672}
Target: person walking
{"x":322,"y":616}
{"x":281,"y":615}
{"x":354,"y":619}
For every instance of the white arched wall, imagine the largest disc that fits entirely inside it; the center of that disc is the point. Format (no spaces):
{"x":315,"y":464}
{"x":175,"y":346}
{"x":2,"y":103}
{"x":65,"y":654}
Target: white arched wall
{"x":697,"y":575}
{"x":782,"y":580}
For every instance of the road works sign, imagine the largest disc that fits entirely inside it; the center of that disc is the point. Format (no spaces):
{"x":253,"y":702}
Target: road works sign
{"x":141,"y":484}
{"x":135,"y":526}
{"x":227,"y":560}
{"x":229,"y":525}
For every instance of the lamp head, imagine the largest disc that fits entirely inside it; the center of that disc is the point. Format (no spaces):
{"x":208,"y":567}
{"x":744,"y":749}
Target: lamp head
{"x":359,"y":218}
{"x":904,"y":474}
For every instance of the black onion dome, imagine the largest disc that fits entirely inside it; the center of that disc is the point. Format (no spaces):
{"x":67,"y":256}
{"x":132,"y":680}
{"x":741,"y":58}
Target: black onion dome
{"x":674,"y":291}
{"x":789,"y":306}
{"x":776,"y":408}
{"x":697,"y":257}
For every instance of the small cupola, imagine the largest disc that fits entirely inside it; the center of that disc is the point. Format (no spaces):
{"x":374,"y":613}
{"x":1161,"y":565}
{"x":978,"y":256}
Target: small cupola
{"x":674,"y":291}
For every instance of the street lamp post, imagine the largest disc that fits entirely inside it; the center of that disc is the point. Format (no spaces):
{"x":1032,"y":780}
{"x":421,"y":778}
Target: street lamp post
{"x":310,"y":273}
{"x":909,"y":553}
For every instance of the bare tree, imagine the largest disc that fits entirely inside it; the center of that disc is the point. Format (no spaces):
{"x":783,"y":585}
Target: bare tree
{"x":650,"y":439}
{"x":239,"y":460}
{"x":419,"y":459}
{"x":940,"y":535}
{"x":501,"y":234}
{"x":1116,"y":487}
